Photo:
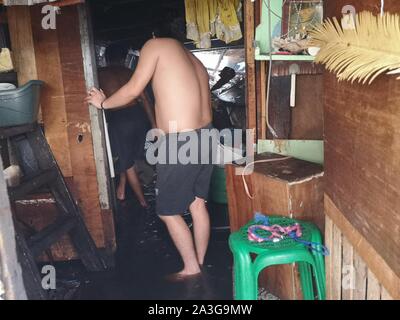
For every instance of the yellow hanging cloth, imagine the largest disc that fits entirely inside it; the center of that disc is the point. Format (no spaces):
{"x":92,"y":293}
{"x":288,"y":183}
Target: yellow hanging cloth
{"x":213,"y":10}
{"x":203,"y":23}
{"x":192,"y":31}
{"x":208,"y":18}
{"x":227,"y":24}
{"x":238,"y":7}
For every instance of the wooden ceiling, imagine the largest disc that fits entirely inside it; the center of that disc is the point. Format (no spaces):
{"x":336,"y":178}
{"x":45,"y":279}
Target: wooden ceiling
{"x":132,"y":19}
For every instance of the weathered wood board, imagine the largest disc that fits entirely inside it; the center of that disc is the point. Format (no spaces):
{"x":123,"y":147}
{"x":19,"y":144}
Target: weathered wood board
{"x":57,"y":58}
{"x":292,"y":188}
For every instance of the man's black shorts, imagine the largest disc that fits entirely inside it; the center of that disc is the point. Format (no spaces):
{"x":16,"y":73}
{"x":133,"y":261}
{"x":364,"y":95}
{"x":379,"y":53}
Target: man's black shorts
{"x":182,"y":179}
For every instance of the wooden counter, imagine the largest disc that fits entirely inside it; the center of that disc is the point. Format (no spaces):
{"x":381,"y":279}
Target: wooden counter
{"x":292,"y":188}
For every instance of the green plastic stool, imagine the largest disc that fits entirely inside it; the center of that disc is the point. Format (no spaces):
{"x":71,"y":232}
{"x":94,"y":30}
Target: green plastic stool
{"x":287,"y":251}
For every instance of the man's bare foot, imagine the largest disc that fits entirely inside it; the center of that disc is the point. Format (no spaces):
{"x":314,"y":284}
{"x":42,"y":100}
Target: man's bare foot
{"x":144,"y":204}
{"x":182,"y":276}
{"x":121,"y":194}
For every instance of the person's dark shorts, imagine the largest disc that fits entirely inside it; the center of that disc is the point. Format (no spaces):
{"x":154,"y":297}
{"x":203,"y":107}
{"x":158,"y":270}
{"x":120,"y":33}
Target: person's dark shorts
{"x":180,"y":180}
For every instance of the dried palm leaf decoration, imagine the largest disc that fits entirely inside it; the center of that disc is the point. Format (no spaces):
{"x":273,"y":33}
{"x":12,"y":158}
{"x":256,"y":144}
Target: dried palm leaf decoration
{"x":362,"y":54}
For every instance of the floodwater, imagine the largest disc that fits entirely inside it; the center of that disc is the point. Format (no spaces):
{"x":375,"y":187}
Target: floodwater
{"x":145,"y":255}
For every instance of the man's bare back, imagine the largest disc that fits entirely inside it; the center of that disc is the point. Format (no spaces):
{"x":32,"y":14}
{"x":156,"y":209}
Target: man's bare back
{"x":180,"y":84}
{"x":181,"y":88}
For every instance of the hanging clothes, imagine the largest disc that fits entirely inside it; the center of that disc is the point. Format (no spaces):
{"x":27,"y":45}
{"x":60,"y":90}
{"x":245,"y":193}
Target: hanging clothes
{"x":191,"y":21}
{"x":227,"y":25}
{"x":203,"y":23}
{"x":213,"y":10}
{"x":209,"y":18}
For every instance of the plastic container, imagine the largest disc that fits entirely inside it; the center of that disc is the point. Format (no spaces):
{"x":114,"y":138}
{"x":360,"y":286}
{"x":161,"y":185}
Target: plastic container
{"x":20,"y":106}
{"x":218,"y":186}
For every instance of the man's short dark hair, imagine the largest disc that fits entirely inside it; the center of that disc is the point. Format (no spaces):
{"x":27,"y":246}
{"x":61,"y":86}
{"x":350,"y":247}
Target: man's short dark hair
{"x":175,"y":29}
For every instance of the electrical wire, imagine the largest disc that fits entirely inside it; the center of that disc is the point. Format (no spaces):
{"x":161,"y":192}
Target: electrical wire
{"x":270,"y":128}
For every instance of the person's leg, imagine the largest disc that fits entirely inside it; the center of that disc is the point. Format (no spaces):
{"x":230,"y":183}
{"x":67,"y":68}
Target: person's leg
{"x":121,"y":187}
{"x":201,"y":225}
{"x":183,"y":240}
{"x":134,"y":182}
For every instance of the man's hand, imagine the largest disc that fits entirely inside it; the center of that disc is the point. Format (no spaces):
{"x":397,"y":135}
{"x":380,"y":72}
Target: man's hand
{"x":95,"y":97}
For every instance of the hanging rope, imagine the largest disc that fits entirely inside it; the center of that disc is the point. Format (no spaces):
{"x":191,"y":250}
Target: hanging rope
{"x":246,"y":187}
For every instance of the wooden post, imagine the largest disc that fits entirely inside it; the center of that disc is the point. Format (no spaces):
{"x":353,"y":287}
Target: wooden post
{"x":251,"y":100}
{"x":98,"y":130}
{"x":10,"y":271}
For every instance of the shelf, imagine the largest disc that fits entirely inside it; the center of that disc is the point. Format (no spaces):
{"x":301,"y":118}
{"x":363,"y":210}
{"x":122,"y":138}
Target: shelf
{"x":280,"y":57}
{"x":8,"y":77}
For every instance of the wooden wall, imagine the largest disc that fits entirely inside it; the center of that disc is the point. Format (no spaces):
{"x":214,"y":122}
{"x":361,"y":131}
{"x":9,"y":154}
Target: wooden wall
{"x":305,"y":121}
{"x":362,"y":150}
{"x":348,"y":276}
{"x":57,"y":57}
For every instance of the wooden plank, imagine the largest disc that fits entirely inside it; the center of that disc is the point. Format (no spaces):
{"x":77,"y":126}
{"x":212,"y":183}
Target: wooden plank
{"x":348,"y":271}
{"x":260,"y":74}
{"x":360,"y":281}
{"x":59,"y":63}
{"x":307,"y":122}
{"x":106,"y":193}
{"x":19,"y":23}
{"x":81,"y":151}
{"x":373,"y":287}
{"x":251,"y":99}
{"x":52,"y":97}
{"x":383,"y":272}
{"x":10,"y":270}
{"x":328,"y":259}
{"x":279,"y":111}
{"x":50,"y":235}
{"x":263,"y":95}
{"x":336,"y":264}
{"x":362,"y":126}
{"x":385,"y":295}
{"x":240,"y":206}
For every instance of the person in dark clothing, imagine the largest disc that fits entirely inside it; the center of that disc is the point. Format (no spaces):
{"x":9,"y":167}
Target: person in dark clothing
{"x":128,"y":126}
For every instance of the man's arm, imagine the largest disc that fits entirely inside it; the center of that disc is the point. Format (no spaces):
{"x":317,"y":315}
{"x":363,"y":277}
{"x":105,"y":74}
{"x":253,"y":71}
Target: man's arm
{"x":132,"y":90}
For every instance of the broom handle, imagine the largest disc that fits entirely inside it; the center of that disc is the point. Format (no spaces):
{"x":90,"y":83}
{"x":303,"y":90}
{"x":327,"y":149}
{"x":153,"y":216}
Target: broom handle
{"x":293,"y":91}
{"x":108,"y":146}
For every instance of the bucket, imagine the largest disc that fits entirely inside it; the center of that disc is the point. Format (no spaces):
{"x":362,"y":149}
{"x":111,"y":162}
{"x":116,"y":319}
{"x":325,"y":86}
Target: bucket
{"x":20,"y":106}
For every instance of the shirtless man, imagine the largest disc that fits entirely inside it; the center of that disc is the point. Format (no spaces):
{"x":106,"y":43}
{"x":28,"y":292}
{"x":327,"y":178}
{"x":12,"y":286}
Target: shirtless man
{"x":181,"y":88}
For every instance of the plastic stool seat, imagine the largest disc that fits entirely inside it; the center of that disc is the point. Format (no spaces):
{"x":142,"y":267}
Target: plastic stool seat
{"x":286,"y":251}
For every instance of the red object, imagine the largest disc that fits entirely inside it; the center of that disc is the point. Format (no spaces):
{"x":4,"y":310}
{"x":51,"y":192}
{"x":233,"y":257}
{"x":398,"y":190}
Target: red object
{"x":64,"y":3}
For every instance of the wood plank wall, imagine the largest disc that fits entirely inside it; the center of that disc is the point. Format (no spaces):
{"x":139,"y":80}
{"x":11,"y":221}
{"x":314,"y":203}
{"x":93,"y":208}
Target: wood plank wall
{"x":57,"y":56}
{"x":362,"y":150}
{"x":305,"y":121}
{"x":348,"y":276}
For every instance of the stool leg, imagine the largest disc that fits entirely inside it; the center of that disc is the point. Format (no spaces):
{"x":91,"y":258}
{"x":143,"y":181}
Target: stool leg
{"x":245,"y":283}
{"x":319,"y":274}
{"x":320,"y":263}
{"x":306,"y":281}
